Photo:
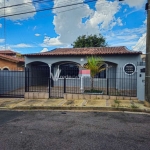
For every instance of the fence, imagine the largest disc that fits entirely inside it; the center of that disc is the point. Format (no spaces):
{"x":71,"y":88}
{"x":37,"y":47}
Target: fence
{"x":112,"y":81}
{"x":12,"y":83}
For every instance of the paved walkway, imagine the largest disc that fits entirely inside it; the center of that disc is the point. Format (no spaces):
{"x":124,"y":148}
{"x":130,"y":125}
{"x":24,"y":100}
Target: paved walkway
{"x":62,"y":104}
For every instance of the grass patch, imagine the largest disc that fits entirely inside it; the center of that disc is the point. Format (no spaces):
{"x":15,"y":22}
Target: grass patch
{"x":116,"y":103}
{"x":94,"y":91}
{"x":134,"y":106}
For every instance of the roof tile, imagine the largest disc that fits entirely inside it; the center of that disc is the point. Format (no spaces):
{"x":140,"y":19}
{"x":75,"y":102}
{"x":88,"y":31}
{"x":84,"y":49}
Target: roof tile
{"x":87,"y":51}
{"x":7,"y":52}
{"x":10,"y":58}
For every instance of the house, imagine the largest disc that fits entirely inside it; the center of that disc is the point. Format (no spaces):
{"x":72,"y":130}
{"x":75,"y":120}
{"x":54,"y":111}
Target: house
{"x":116,"y":57}
{"x":120,"y":63}
{"x":10,"y":60}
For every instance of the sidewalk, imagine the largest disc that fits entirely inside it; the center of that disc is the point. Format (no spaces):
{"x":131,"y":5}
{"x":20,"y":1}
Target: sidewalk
{"x":62,"y":104}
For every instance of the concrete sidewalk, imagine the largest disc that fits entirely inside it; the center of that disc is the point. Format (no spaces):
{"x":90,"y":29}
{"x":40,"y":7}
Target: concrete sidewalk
{"x":62,"y":104}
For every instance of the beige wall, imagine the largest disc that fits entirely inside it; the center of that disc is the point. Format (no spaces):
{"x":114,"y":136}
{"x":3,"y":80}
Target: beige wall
{"x":8,"y":64}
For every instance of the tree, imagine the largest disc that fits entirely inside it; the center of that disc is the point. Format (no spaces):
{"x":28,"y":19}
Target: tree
{"x":89,"y":41}
{"x":95,"y":65}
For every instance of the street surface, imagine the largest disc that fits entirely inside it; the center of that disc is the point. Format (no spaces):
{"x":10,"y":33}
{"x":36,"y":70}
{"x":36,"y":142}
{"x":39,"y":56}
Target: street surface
{"x":56,"y":130}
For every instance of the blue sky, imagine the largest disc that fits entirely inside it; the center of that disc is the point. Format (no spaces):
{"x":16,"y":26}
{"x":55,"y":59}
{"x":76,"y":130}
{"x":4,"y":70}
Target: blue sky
{"x":121,"y":23}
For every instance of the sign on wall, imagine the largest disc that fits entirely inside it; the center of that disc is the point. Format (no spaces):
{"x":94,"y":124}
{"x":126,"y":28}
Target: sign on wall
{"x":129,"y":68}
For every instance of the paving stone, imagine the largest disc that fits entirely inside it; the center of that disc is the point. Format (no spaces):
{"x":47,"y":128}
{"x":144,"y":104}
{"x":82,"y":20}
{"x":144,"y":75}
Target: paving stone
{"x":93,"y":97}
{"x":87,"y":96}
{"x":75,"y":96}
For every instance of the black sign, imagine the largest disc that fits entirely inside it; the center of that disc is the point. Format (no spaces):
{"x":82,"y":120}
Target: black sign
{"x":129,"y":69}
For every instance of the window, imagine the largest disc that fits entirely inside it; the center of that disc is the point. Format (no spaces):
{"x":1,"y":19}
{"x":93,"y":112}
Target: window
{"x":102,"y":74}
{"x":69,"y":70}
{"x":129,"y":68}
{"x":5,"y":68}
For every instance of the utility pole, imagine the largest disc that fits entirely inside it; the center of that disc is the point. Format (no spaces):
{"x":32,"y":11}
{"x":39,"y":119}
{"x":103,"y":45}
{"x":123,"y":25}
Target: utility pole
{"x":147,"y":73}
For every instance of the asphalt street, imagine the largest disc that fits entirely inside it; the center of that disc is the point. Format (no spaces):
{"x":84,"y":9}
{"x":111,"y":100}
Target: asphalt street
{"x":51,"y":130}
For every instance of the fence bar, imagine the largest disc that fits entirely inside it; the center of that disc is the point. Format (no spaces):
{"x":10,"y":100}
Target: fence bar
{"x":49,"y":87}
{"x":64,"y":84}
{"x":26,"y":80}
{"x":107,"y":86}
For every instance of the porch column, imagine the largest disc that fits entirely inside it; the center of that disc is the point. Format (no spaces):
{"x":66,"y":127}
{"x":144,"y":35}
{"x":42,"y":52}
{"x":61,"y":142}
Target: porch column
{"x":106,"y":70}
{"x":50,"y":71}
{"x":81,"y":79}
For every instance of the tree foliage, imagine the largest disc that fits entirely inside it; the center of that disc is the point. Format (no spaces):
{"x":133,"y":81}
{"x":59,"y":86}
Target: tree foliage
{"x":95,"y":65}
{"x":89,"y":41}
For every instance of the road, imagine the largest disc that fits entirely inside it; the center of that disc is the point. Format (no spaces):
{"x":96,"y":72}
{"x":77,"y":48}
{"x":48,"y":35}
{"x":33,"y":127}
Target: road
{"x":51,"y":130}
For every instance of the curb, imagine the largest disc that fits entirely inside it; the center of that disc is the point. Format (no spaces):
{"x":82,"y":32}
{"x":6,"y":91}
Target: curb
{"x":80,"y":108}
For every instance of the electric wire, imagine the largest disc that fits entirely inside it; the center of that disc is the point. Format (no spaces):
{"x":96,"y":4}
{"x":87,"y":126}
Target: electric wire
{"x":51,"y":8}
{"x":37,"y":1}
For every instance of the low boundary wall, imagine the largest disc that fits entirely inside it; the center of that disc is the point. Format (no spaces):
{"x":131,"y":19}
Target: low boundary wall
{"x":44,"y":95}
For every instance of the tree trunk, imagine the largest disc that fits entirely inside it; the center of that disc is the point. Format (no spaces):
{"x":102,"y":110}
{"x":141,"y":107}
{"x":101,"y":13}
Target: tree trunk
{"x":92,"y":82}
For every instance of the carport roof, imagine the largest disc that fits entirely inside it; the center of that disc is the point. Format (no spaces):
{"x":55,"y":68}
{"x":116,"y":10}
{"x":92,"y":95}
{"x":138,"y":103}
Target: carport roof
{"x":122,"y":50}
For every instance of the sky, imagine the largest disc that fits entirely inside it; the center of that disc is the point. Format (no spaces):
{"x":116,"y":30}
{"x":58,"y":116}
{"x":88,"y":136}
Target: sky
{"x":57,"y":23}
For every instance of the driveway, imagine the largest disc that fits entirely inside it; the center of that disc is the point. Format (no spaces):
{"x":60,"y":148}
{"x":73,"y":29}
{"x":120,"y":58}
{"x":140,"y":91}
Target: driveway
{"x":51,"y":130}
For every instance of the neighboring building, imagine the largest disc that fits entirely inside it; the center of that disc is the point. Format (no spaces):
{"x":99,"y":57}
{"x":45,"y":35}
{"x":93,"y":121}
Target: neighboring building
{"x":10,"y":60}
{"x":143,"y":56}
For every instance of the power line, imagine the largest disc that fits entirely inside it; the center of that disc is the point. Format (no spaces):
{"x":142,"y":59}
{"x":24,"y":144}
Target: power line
{"x":22,"y":7}
{"x":63,"y":6}
{"x":37,"y":1}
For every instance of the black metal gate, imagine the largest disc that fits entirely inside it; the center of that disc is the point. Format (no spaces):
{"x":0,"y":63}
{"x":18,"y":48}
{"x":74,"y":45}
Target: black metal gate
{"x":37,"y":79}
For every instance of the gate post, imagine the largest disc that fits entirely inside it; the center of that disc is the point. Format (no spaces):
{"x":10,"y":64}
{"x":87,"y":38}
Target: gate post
{"x":141,"y":82}
{"x":107,"y":86}
{"x":64,"y":84}
{"x":26,"y":79}
{"x":49,"y":86}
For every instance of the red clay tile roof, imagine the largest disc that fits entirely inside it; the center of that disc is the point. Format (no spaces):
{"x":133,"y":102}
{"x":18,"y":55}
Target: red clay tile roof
{"x":10,"y":58}
{"x":7,"y":52}
{"x":87,"y":51}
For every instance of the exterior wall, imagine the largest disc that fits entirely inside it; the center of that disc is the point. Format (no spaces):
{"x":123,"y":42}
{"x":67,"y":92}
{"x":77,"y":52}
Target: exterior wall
{"x":8,"y":64}
{"x":119,"y":60}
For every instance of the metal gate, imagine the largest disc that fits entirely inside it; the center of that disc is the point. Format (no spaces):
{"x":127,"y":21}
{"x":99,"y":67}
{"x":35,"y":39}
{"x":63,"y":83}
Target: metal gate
{"x":37,"y":79}
{"x":12,"y":83}
{"x":116,"y":83}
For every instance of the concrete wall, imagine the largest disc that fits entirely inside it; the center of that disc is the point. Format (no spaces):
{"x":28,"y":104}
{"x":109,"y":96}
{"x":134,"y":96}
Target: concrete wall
{"x":98,"y":97}
{"x":141,"y":83}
